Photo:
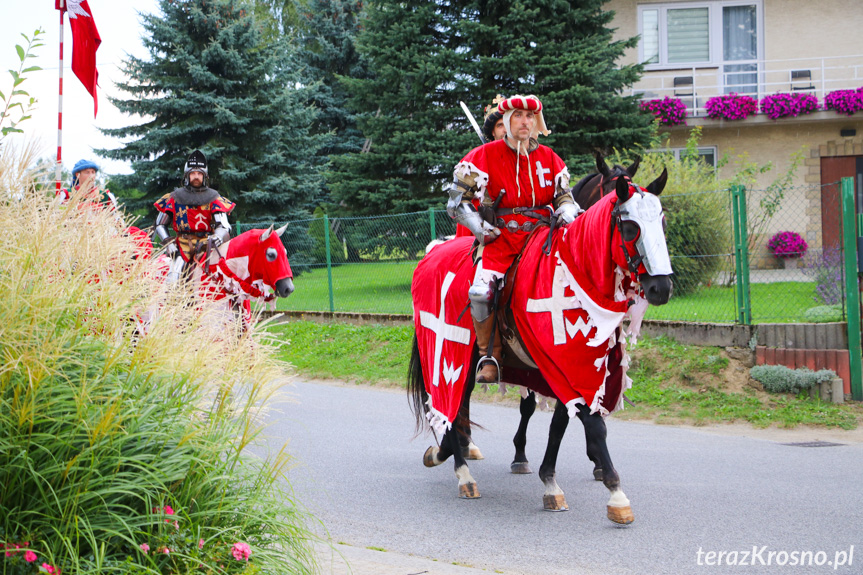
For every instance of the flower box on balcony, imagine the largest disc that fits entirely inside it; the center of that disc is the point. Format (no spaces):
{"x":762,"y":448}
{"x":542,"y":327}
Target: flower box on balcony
{"x":844,"y":101}
{"x":669,"y":111}
{"x":778,"y":106}
{"x":731,"y":106}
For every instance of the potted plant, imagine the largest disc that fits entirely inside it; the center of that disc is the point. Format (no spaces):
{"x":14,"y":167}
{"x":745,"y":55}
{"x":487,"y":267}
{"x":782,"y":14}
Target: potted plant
{"x":731,"y":106}
{"x":778,"y":106}
{"x":669,"y":111}
{"x":844,"y":101}
{"x":788,"y":247}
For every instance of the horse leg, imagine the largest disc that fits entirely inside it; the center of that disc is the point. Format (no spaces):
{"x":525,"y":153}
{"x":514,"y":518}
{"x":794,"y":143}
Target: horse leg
{"x":468,"y":448}
{"x":526,"y":407}
{"x":595,"y":432}
{"x":553,"y":499}
{"x":593,"y":456}
{"x":467,"y":488}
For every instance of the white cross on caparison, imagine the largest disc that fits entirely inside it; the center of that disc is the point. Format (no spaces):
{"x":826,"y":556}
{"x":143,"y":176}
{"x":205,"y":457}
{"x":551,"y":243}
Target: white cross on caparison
{"x":556,"y":305}
{"x":442,"y":330}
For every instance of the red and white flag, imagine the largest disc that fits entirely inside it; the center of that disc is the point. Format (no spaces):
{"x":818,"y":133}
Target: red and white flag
{"x":85,"y":42}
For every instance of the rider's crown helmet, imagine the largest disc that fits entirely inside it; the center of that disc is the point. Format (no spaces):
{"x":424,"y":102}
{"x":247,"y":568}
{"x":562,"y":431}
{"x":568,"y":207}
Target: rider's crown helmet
{"x":492,"y":115}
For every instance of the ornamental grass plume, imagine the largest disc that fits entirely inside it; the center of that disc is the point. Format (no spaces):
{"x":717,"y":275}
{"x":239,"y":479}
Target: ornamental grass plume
{"x":100,"y":424}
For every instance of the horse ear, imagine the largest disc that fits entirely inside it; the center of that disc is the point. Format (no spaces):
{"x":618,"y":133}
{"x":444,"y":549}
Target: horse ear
{"x":656,"y":186}
{"x":622,"y":188}
{"x":266,"y":234}
{"x":281,"y":230}
{"x":601,"y":166}
{"x":634,"y":167}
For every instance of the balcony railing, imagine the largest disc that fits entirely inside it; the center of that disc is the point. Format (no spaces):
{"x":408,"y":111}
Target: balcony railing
{"x":758,"y":78}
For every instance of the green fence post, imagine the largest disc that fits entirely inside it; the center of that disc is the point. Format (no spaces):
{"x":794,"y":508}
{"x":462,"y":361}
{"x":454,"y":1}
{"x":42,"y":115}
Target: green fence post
{"x":741,"y":254}
{"x":852,"y":291}
{"x":329,"y":259}
{"x":431,"y":224}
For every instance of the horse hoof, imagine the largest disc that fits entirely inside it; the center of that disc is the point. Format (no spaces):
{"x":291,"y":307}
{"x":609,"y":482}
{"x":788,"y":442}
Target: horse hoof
{"x":597,"y":474}
{"x":520,"y":468}
{"x":472,"y":452}
{"x":468,"y":491}
{"x":429,"y":457}
{"x":554,"y":503}
{"x":621,"y":515}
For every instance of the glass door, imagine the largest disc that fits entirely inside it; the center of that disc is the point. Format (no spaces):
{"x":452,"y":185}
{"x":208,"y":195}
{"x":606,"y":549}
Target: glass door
{"x":740,"y":49}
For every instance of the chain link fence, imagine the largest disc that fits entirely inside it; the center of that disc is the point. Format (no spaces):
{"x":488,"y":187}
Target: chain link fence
{"x":744,"y":256}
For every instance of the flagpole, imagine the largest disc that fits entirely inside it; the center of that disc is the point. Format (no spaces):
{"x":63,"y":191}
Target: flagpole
{"x":59,"y":168}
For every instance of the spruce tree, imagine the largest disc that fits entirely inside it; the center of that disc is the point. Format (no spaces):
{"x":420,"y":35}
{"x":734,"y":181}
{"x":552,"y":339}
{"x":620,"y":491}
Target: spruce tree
{"x":426,"y":56}
{"x":213,"y":83}
{"x":408,"y":110}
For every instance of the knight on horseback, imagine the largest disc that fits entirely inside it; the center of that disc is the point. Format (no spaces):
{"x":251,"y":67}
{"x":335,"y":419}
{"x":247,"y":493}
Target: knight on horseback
{"x":197,"y":213}
{"x":519,"y":184}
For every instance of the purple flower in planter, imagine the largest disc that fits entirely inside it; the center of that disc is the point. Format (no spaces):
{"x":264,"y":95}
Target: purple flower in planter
{"x":787,"y":245}
{"x":670,"y":111}
{"x":731,"y":106}
{"x":784,"y":105}
{"x":844,"y":101}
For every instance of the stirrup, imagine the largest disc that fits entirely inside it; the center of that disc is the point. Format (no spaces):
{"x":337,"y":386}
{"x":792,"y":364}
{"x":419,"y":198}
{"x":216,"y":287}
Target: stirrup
{"x":485,"y":359}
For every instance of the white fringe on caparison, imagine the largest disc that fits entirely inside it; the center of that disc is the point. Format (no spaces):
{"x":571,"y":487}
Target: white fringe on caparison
{"x":437,"y":420}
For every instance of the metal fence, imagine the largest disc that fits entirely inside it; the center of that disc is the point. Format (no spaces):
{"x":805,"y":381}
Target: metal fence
{"x":726,"y":269}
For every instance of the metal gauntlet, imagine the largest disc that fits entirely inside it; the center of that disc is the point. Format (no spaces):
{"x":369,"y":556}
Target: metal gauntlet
{"x":222,"y":232}
{"x":467,"y":216}
{"x":566,"y":208}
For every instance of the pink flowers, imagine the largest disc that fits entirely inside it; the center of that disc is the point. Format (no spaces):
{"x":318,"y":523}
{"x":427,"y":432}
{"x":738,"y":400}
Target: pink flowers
{"x":844,"y":101}
{"x":50,"y":569}
{"x":29,"y":557}
{"x":241,"y":551}
{"x":669,"y":111}
{"x":787,"y":245}
{"x":731,"y":106}
{"x":145,"y":548}
{"x":788,"y":105}
{"x":200,"y":544}
{"x":169,"y":510}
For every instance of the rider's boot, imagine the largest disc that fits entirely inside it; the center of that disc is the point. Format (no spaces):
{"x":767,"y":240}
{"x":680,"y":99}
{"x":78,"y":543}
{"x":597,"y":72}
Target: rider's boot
{"x":488,"y":368}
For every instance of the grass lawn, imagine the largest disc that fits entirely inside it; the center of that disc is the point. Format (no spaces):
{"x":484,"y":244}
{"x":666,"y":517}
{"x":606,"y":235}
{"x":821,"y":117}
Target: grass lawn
{"x":778,"y":302}
{"x":380,"y":287}
{"x":672,"y":382}
{"x":384,"y":287}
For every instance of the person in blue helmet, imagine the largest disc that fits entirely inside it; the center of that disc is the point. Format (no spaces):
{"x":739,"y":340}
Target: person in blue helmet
{"x":84,"y":182}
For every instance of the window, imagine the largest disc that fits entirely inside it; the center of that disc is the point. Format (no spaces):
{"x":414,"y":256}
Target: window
{"x":708,"y":154}
{"x":703,"y":34}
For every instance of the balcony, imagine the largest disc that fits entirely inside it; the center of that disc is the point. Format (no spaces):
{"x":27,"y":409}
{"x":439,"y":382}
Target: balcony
{"x":757,"y":78}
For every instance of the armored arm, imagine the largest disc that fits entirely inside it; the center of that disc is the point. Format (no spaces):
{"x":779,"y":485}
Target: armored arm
{"x":222,"y":229}
{"x":564,"y":204}
{"x":460,"y":208}
{"x":163,"y":220}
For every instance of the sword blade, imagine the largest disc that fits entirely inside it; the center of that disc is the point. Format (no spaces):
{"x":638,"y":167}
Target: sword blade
{"x":472,"y":122}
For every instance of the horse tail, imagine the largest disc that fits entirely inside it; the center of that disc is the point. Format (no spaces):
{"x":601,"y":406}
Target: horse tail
{"x":416,"y":388}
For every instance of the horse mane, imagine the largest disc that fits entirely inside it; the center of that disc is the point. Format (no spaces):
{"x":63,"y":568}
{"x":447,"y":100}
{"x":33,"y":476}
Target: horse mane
{"x":582,"y":182}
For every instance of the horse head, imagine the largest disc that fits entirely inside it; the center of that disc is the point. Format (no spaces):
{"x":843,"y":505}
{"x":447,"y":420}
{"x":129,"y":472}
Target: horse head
{"x":257,"y":258}
{"x":638,"y":242}
{"x":591,"y":188}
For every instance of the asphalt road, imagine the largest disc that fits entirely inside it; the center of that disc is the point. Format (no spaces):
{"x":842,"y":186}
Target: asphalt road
{"x":764,"y":506}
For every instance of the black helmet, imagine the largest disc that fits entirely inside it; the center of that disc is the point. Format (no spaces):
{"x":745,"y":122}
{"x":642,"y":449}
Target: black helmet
{"x":197,"y":162}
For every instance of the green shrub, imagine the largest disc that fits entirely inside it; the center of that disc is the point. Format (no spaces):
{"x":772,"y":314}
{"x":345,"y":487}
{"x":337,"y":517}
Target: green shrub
{"x":114,"y":446}
{"x":781,"y":379}
{"x":823,"y":314}
{"x":698,"y":223}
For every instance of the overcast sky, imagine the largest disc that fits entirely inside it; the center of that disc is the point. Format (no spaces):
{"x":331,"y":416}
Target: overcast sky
{"x":119,"y":26}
